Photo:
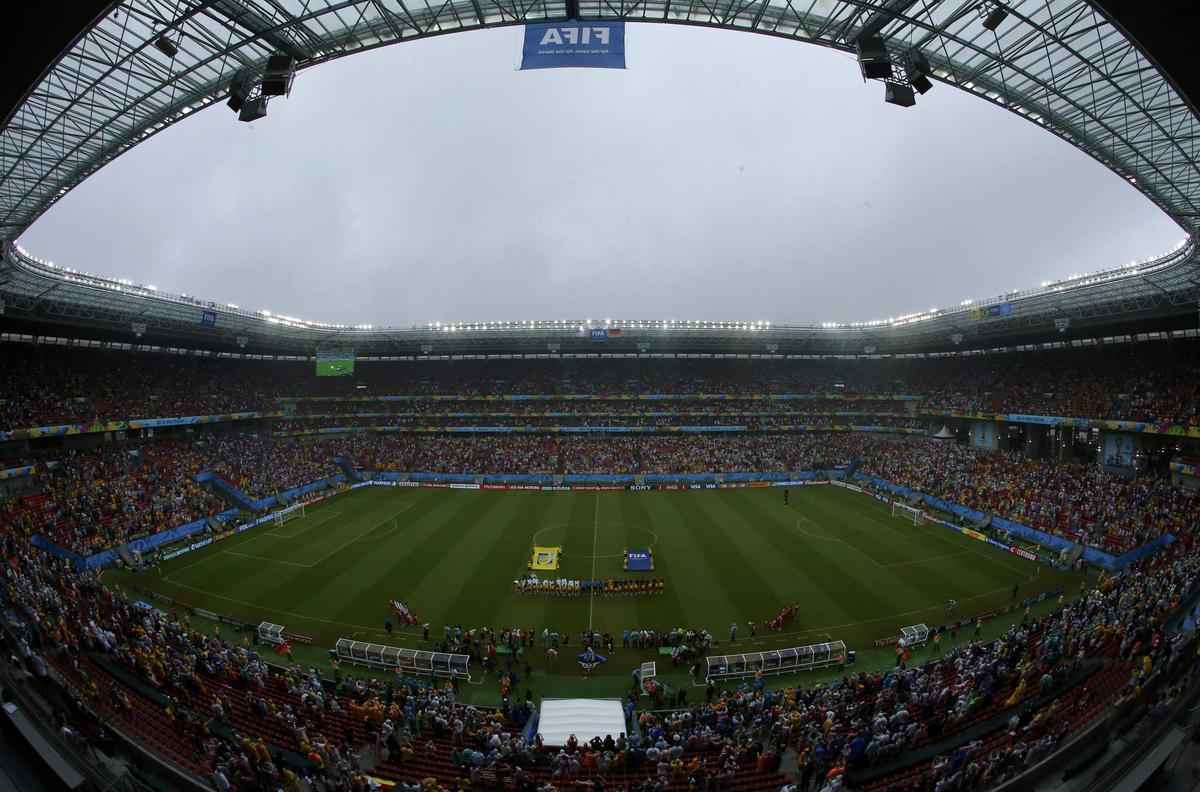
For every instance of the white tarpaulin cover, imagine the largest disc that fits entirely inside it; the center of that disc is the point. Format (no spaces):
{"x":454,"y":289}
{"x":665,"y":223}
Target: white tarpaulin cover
{"x":585,"y":718}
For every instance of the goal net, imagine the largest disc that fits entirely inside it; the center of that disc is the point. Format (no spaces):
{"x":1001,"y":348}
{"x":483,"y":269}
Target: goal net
{"x":906,"y":512}
{"x":287,"y":515}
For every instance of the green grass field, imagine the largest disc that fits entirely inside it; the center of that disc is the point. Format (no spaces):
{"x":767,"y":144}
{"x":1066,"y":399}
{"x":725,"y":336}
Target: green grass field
{"x":734,"y":555}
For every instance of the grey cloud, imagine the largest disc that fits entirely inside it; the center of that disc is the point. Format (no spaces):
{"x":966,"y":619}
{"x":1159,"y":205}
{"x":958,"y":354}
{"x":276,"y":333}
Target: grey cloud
{"x":721,"y":176}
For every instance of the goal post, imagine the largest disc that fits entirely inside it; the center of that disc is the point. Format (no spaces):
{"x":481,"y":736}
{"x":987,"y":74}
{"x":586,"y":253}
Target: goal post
{"x":287,"y":515}
{"x":905,"y":512}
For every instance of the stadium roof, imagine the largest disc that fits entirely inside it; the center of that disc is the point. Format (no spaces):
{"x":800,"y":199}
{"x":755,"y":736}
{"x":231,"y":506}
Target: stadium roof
{"x":1062,"y":64}
{"x":1059,"y":63}
{"x":1135,"y":298}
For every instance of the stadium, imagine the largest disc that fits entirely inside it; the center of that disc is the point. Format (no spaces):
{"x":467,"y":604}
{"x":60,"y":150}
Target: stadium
{"x":949,"y":550}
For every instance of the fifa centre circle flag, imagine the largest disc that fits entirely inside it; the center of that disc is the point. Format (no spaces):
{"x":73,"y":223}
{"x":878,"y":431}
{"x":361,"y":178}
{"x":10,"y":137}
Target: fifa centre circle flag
{"x":639,"y":559}
{"x":556,"y":45}
{"x":545,"y":559}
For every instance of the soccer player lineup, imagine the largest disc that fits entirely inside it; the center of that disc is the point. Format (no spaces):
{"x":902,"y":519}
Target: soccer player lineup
{"x":546,"y":559}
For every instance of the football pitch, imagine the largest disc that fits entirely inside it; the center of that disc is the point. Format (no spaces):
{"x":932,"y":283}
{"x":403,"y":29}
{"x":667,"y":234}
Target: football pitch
{"x":735,"y":555}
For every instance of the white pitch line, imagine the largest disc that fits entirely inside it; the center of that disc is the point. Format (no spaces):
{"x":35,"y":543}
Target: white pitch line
{"x":595,"y":536}
{"x":927,"y":560}
{"x":198,"y":561}
{"x":317,"y":521}
{"x":266,"y":558}
{"x":349,"y":542}
{"x":302,"y":617}
{"x":824,"y":630}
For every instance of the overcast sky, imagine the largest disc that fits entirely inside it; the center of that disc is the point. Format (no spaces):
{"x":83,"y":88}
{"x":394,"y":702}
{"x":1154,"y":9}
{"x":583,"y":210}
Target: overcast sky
{"x":721,"y":176}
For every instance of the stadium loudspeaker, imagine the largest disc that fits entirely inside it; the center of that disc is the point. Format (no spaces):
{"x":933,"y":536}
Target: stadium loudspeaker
{"x":254,"y":109}
{"x":237,"y":96}
{"x":995,"y":17}
{"x":166,"y":46}
{"x":916,"y":66}
{"x":873,"y":58}
{"x":899,"y":95}
{"x":278,"y":77}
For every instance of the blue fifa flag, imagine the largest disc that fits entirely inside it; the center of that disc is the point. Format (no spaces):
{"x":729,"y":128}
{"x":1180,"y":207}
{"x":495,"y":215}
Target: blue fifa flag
{"x":208,"y":318}
{"x":639,"y":560}
{"x":599,"y":334}
{"x":554,"y":45}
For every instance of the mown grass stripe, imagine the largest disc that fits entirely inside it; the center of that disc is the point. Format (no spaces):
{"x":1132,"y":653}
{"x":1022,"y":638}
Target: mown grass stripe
{"x":719,"y":572}
{"x":655,"y":611}
{"x":931,"y":582}
{"x":327,"y":591}
{"x":474,"y":594}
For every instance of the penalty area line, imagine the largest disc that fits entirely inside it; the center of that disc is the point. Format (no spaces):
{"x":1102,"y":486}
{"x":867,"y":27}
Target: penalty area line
{"x":268,"y":559}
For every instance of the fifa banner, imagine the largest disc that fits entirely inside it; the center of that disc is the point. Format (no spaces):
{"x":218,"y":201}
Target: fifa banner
{"x":594,"y":45}
{"x":545,"y":559}
{"x":639,"y":560}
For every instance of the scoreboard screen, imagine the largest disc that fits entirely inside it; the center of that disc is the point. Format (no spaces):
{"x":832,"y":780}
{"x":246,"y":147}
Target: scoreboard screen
{"x":335,"y":364}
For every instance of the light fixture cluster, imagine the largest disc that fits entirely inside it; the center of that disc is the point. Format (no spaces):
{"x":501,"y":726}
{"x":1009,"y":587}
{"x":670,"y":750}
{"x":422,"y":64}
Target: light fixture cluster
{"x":1100,"y":276}
{"x":128,"y":286}
{"x":893,"y":321}
{"x":588,"y":324}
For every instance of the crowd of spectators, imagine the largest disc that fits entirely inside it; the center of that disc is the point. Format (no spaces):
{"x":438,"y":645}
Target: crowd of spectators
{"x":692,"y":453}
{"x":220,"y":697}
{"x":748,"y":421}
{"x":92,"y":499}
{"x":53,"y":386}
{"x":233,"y":712}
{"x":263,"y":466}
{"x":1082,"y":502}
{"x":1152,"y":382}
{"x":868,"y":719}
{"x":88,"y":500}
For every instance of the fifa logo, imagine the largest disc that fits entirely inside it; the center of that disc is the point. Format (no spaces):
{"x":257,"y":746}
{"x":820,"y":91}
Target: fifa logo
{"x":575,"y":35}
